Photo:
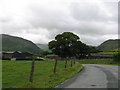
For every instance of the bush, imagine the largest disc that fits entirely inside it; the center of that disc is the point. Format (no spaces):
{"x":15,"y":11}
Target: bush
{"x":116,"y":57}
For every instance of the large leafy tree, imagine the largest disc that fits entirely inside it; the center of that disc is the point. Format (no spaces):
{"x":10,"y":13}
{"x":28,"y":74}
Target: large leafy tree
{"x":83,"y":50}
{"x":116,"y":57}
{"x":63,"y":43}
{"x":79,"y":49}
{"x":68,"y":44}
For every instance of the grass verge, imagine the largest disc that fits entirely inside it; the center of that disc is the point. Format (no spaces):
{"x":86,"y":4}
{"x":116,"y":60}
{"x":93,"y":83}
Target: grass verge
{"x":16,"y":74}
{"x":98,"y":61}
{"x":112,"y":53}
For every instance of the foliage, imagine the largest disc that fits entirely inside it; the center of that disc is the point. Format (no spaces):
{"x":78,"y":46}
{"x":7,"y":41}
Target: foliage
{"x":67,"y":44}
{"x":116,"y":57}
{"x":15,"y":74}
{"x":82,"y":49}
{"x":94,"y":49}
{"x":62,"y":43}
{"x":12,"y":43}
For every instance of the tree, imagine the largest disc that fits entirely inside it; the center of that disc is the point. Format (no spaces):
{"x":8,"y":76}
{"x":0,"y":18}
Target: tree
{"x":84,"y":50}
{"x":94,"y":49}
{"x":80,"y":50}
{"x":45,"y":53}
{"x":67,"y":45}
{"x":62,"y":45}
{"x":116,"y":57}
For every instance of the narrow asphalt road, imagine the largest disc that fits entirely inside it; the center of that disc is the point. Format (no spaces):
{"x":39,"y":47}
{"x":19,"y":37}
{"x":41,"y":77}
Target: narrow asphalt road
{"x":93,"y":76}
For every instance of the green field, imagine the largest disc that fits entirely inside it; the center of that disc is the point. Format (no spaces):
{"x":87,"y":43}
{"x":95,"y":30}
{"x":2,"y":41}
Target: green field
{"x":98,"y":61}
{"x":15,"y":74}
{"x":108,"y":53}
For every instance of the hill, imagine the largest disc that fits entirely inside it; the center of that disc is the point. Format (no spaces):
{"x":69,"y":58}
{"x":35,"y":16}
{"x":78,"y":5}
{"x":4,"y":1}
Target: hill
{"x":44,"y":47}
{"x":109,"y":45}
{"x":13,"y":43}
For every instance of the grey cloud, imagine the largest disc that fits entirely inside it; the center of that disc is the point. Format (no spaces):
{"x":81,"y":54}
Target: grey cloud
{"x":42,"y":23}
{"x":88,"y":20}
{"x":44,"y":18}
{"x":92,"y":12}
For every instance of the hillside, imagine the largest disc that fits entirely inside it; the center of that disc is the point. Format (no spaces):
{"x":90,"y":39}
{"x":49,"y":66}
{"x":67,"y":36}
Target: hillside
{"x":44,"y":47}
{"x":109,"y":45}
{"x":12,"y":43}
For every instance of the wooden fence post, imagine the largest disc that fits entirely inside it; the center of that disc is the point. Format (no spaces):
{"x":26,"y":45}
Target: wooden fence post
{"x":32,"y":70}
{"x":66,"y":63}
{"x":74,"y":61}
{"x":55,"y":65}
{"x":71,"y":63}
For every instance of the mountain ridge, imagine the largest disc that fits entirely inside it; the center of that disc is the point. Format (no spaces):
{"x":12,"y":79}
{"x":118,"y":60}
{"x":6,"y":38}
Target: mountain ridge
{"x":109,"y":45}
{"x":14,"y":43}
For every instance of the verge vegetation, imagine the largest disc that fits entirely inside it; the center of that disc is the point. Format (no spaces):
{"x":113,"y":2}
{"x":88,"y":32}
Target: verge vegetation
{"x":116,"y":57}
{"x":108,"y":53}
{"x":99,"y":61}
{"x":16,"y":74}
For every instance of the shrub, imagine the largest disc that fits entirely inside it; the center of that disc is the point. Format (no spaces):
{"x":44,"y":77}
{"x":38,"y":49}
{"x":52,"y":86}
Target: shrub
{"x":116,"y":57}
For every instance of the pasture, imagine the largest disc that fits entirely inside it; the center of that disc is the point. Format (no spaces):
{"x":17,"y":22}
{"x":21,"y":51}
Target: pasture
{"x":98,"y":61}
{"x":15,"y":74}
{"x":108,"y":53}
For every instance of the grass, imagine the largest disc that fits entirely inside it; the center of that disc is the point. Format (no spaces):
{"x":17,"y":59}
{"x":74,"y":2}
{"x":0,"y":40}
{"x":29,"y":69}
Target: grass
{"x":51,"y":55}
{"x":108,"y":53}
{"x":16,"y":74}
{"x":98,"y":61}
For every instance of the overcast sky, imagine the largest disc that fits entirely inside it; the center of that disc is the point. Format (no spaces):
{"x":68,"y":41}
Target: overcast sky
{"x":41,"y":20}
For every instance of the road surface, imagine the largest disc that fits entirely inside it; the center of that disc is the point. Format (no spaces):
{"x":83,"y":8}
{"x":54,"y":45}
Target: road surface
{"x":93,"y":76}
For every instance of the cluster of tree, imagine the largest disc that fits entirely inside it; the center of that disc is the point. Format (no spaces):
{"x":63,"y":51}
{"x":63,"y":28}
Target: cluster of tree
{"x":94,"y":49}
{"x":68,"y":44}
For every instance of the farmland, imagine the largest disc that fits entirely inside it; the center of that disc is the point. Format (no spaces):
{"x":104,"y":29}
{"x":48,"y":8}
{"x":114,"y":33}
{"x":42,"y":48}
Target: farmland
{"x":108,"y":53}
{"x":99,"y":61}
{"x":15,"y":74}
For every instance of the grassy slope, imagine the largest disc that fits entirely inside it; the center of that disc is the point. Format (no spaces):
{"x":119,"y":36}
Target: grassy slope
{"x":16,"y":73}
{"x":12,"y":43}
{"x":109,"y":45}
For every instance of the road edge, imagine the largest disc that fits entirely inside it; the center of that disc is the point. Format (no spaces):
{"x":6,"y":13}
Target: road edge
{"x":59,"y":85}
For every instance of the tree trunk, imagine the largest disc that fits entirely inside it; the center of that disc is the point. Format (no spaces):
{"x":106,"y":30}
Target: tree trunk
{"x":66,"y":63}
{"x":55,"y":65}
{"x":74,"y":61}
{"x":71,"y":63}
{"x":32,"y":70}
